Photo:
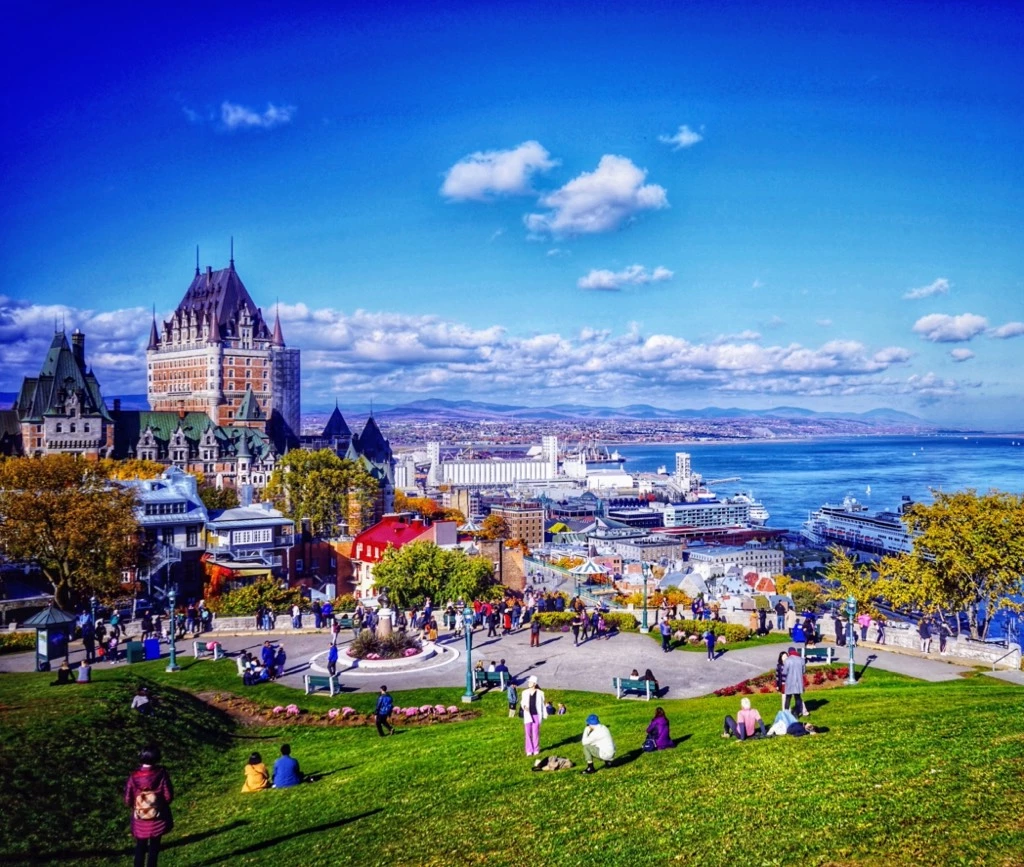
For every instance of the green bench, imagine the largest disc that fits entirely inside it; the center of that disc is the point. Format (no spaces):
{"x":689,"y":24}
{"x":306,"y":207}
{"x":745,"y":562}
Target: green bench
{"x":329,"y":682}
{"x":345,"y":621}
{"x":487,"y":679}
{"x":199,"y":650}
{"x":819,"y":655}
{"x":623,"y":685}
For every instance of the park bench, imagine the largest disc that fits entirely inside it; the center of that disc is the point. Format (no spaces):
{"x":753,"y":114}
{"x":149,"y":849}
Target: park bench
{"x":625,"y":684}
{"x":487,"y":679}
{"x":322,"y":681}
{"x":199,"y":651}
{"x":345,"y":620}
{"x":816,"y":655}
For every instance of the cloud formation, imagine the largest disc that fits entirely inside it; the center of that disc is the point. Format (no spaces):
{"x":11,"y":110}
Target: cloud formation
{"x":683,"y":138}
{"x":598,"y":201}
{"x":936,"y":287}
{"x":1010,"y":329}
{"x":943,"y":328}
{"x":961,"y":354}
{"x":234,"y":116}
{"x":613,"y":281}
{"x":486,"y":174}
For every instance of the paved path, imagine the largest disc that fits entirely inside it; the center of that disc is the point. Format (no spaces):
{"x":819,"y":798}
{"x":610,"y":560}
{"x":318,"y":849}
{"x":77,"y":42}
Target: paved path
{"x":1009,"y":676}
{"x":557,"y":663}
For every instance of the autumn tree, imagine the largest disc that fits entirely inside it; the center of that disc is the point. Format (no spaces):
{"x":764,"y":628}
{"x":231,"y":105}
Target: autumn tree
{"x":413,"y":572}
{"x":494,"y":527}
{"x":132,"y":468}
{"x":63,"y":516}
{"x":328,"y":491}
{"x":849,"y":578}
{"x":427,"y":508}
{"x":967,"y":557}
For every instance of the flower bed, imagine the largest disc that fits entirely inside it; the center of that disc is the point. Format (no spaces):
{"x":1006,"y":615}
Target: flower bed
{"x":822,"y":678}
{"x":398,"y":645}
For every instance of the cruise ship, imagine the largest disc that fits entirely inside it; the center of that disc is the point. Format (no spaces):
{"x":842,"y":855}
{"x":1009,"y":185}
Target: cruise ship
{"x":850,"y":526}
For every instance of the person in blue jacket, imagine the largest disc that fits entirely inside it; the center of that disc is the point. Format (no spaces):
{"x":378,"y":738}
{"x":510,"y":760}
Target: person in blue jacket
{"x":286,"y":769}
{"x":332,"y":660}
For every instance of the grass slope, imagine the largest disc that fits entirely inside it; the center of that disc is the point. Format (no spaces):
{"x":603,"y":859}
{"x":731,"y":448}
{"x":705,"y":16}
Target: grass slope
{"x":908,"y":773}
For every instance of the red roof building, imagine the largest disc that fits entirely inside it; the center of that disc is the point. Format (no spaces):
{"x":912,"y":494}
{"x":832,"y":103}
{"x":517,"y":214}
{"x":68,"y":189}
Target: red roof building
{"x":394,"y":531}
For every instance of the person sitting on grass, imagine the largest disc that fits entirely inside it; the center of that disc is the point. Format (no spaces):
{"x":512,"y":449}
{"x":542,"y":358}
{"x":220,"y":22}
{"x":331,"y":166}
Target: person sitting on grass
{"x":597,"y":744}
{"x":141,"y":702}
{"x":63,"y":675}
{"x":84,"y":672}
{"x":748,"y":723}
{"x":561,"y":710}
{"x":658,"y":731}
{"x":257,"y":777}
{"x":286,"y":769}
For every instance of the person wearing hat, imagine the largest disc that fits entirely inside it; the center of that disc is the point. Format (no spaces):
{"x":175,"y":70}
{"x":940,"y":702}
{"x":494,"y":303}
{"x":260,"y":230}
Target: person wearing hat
{"x":793,"y":677}
{"x":534,"y":707}
{"x":597,"y":744}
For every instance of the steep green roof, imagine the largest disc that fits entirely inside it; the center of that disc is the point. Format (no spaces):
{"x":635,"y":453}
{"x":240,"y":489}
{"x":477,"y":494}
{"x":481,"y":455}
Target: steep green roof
{"x":249,"y":408}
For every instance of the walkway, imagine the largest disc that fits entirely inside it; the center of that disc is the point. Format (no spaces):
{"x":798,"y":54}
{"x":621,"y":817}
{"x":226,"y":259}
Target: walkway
{"x":560,"y":665}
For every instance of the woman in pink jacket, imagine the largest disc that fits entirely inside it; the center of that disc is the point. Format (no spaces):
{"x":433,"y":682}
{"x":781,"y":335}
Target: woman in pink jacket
{"x":148,"y":794}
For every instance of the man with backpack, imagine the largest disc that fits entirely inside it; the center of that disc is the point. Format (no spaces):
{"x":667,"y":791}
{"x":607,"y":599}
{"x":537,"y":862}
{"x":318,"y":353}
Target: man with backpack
{"x":382,"y":712}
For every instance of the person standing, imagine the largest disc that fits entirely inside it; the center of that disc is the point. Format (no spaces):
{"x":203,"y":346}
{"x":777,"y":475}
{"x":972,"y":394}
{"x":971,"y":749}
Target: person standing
{"x":864,"y":621}
{"x":597,"y":744}
{"x":332,"y":660}
{"x":296,"y":617}
{"x":585,"y":620}
{"x":924,"y":631}
{"x":666,"y":635}
{"x":577,"y":622}
{"x":280,"y":660}
{"x":382,"y":712}
{"x":148,"y":794}
{"x":512,"y":694}
{"x":709,"y":638}
{"x":534,"y":706}
{"x":318,"y":616}
{"x":89,"y":640}
{"x":840,"y":631}
{"x":880,"y":623}
{"x":944,"y":633}
{"x":793,"y":673}
{"x":492,"y":624}
{"x":780,"y":616}
{"x":534,"y":632}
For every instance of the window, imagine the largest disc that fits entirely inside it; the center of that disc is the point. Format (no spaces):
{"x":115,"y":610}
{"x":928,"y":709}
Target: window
{"x":191,"y":537}
{"x":85,"y":427}
{"x":59,"y":428}
{"x":298,"y":564}
{"x":252,"y":537}
{"x":167,"y":535}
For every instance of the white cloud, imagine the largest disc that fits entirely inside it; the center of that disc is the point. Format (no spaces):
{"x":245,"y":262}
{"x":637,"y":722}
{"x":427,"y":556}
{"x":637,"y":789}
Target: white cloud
{"x":234,"y":116}
{"x":683,"y":138}
{"x":612,"y":281}
{"x":598,"y":201}
{"x":757,"y":284}
{"x":825,"y":323}
{"x":555,"y":252}
{"x":936,"y":287}
{"x":961,"y":354}
{"x":1010,"y":329}
{"x":485,"y":174}
{"x":943,"y":328}
{"x":191,"y":115}
{"x":775,"y":322}
{"x":741,"y":336}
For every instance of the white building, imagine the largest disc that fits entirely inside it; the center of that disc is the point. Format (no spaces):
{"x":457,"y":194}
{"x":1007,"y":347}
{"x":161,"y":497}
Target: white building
{"x":492,"y":471}
{"x":718,"y":559}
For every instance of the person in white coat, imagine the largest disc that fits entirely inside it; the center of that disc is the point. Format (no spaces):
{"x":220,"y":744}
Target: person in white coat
{"x":534,"y":707}
{"x":597,"y":744}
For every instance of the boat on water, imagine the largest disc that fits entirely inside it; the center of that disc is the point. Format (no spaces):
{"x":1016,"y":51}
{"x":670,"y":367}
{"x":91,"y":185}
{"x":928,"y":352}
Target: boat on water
{"x":759,"y":515}
{"x":852,"y":526}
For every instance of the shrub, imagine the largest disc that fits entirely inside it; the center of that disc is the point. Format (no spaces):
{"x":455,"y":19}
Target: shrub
{"x":366,"y":645}
{"x":731,"y":632}
{"x":559,"y":621}
{"x":16,"y":642}
{"x":243,"y":601}
{"x":554,"y":619}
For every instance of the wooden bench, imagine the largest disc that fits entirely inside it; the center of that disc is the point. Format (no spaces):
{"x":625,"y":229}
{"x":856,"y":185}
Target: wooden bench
{"x":623,"y":685}
{"x":487,"y":679}
{"x":322,"y":681}
{"x":819,"y":655}
{"x":199,"y":651}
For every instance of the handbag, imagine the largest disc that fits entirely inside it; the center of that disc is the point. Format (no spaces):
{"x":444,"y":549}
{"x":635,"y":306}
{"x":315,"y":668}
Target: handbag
{"x":649,"y":745}
{"x":520,"y":711}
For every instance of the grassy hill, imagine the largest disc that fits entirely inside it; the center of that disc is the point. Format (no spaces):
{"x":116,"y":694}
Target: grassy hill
{"x":907,"y":773}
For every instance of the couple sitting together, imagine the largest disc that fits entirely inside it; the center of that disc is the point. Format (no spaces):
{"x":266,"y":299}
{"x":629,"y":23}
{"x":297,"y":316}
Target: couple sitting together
{"x":748,"y":724}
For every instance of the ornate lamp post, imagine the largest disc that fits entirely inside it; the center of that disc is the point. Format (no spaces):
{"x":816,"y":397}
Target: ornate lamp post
{"x":467,"y":621}
{"x":646,"y":569}
{"x":851,"y":611}
{"x":92,"y":608}
{"x":172,"y":664}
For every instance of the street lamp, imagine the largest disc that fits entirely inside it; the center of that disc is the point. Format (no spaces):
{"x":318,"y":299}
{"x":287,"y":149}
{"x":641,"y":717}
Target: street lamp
{"x":467,"y":621}
{"x":92,"y":607}
{"x":172,"y":665}
{"x":851,"y":611}
{"x":645,"y":568}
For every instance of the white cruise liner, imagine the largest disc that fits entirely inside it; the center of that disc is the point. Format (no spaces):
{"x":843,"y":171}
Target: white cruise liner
{"x":850,"y":526}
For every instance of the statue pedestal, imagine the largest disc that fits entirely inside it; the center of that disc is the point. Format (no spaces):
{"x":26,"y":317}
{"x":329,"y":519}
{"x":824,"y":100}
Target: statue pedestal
{"x":385,"y":620}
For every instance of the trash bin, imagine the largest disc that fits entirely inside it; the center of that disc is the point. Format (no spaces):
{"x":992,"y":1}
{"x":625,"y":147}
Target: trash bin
{"x":135,"y":652}
{"x":152,"y":646}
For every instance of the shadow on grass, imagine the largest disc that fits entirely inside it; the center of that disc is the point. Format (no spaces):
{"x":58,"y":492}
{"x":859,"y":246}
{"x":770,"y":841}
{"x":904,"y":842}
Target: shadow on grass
{"x":815,"y":703}
{"x":273,"y":841}
{"x":865,"y":666}
{"x":319,"y":775}
{"x":125,"y":852}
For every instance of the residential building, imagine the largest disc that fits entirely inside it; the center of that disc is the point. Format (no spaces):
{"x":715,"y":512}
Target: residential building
{"x":246,"y":543}
{"x":720,"y":557}
{"x":394,"y":530}
{"x":525,"y":520}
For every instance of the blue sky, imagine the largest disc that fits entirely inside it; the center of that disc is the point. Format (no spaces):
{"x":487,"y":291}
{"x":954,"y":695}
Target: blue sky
{"x":682,"y":204}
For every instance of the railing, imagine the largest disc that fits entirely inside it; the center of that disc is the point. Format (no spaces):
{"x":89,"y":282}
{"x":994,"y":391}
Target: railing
{"x":1001,"y":658}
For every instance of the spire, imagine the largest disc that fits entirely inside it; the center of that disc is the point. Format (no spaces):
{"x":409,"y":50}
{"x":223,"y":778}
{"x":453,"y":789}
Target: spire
{"x":154,"y":338}
{"x":197,"y":260}
{"x":232,"y":253}
{"x":249,"y":408}
{"x":278,"y":338}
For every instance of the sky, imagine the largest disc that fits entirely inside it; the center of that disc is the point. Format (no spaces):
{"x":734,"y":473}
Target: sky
{"x":683,"y":204}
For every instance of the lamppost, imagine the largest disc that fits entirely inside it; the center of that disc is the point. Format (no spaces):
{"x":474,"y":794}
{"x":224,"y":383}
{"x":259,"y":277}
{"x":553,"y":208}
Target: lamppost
{"x":646,"y":569}
{"x":172,"y":665}
{"x":851,"y":611}
{"x":467,"y":621}
{"x":92,"y":608}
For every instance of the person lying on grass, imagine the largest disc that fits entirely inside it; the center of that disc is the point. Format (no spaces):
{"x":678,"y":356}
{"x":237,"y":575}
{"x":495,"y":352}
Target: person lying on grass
{"x":787,"y":724}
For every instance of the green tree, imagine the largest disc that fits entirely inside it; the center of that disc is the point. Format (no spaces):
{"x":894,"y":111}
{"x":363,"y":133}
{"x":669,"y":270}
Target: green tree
{"x":968,"y":556}
{"x":65,"y":517}
{"x":243,"y":601}
{"x":413,"y":572}
{"x":323,"y":488}
{"x":850,"y":579}
{"x":215,"y":498}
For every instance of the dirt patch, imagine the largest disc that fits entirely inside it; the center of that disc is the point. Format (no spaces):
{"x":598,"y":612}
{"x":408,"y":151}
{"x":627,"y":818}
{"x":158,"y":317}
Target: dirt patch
{"x":248,"y":713}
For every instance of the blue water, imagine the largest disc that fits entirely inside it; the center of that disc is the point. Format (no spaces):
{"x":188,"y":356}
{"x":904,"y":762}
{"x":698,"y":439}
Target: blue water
{"x":793,"y":478}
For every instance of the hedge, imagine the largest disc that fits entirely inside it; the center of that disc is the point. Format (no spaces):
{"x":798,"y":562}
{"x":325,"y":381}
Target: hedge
{"x":729,"y":631}
{"x":556,"y":620}
{"x":16,"y":642}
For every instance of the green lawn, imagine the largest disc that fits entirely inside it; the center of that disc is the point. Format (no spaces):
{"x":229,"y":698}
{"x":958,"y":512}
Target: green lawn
{"x":908,"y":773}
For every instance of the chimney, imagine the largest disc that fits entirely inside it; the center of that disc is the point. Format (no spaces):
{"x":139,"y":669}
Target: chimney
{"x":117,"y":404}
{"x":78,"y":348}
